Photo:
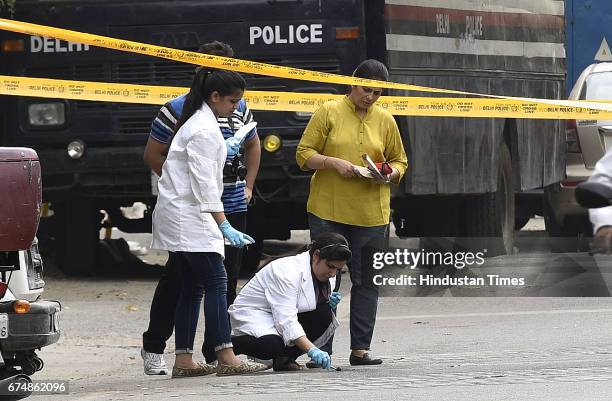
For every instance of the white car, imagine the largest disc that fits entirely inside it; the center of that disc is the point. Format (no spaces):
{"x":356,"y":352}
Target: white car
{"x":587,"y":142}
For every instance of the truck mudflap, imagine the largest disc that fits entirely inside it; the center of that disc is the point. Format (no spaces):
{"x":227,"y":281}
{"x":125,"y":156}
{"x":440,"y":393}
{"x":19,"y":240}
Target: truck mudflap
{"x":28,"y":331}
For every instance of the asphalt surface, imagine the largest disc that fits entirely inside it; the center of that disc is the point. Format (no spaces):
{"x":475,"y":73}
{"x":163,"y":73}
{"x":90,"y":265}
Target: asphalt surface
{"x":439,"y":346}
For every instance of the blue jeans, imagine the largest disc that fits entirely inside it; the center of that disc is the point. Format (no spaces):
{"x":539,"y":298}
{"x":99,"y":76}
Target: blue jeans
{"x":363,"y":242}
{"x":201,"y":274}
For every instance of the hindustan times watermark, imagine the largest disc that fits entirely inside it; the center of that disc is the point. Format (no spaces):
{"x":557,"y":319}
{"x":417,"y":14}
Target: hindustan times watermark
{"x":443,"y":272}
{"x":431,"y":280}
{"x":478,"y":267}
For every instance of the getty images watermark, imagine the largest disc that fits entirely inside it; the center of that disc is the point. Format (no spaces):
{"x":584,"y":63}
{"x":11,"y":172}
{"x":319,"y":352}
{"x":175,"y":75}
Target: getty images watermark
{"x":404,"y":258}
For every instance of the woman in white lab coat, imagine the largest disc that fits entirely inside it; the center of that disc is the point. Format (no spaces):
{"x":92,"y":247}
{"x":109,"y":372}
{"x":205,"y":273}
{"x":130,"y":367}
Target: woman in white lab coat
{"x":286,"y":310}
{"x":189,"y":220}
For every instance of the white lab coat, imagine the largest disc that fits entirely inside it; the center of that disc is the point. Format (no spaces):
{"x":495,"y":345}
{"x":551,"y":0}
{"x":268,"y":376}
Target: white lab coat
{"x":270,"y":302}
{"x":190,"y":188}
{"x":603,"y":174}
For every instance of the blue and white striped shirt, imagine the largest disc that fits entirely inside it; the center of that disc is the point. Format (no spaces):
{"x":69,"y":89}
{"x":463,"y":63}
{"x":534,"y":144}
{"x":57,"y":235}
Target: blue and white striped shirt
{"x":162,"y":128}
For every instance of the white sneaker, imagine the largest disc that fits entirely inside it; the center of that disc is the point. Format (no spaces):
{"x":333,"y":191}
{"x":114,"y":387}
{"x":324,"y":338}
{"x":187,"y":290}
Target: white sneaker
{"x":154,"y":364}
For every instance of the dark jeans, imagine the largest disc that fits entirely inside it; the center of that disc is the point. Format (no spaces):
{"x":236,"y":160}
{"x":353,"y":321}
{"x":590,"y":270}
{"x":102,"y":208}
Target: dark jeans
{"x":314,"y":323}
{"x":233,"y":256}
{"x":163,"y":305}
{"x":363,"y":242}
{"x":201,"y":274}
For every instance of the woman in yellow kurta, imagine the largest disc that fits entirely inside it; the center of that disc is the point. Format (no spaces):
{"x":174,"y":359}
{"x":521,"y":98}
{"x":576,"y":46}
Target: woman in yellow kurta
{"x":336,"y":137}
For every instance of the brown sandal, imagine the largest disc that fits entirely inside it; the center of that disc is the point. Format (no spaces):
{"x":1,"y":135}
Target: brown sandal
{"x":202,"y":370}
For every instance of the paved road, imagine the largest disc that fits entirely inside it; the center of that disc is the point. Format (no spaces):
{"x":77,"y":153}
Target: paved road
{"x":435,"y":347}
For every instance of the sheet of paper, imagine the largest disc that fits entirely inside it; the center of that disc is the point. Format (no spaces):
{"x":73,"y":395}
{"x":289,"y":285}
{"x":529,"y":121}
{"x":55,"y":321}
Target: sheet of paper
{"x":372,"y":167}
{"x":363,"y":172}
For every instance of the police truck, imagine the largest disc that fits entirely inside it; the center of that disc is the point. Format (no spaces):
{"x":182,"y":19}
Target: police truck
{"x":466,"y":176}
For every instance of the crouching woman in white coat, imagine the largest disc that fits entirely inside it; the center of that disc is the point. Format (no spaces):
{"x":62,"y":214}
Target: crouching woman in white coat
{"x":189,"y":220}
{"x":286,"y":309}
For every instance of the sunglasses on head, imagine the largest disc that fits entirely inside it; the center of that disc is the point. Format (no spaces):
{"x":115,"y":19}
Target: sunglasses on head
{"x":341,"y":245}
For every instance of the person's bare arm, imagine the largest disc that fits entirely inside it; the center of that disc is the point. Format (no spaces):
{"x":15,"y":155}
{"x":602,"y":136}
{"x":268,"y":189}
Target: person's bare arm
{"x":155,"y":155}
{"x":219,"y":217}
{"x":319,"y":162}
{"x":303,"y":343}
{"x":252,"y":154}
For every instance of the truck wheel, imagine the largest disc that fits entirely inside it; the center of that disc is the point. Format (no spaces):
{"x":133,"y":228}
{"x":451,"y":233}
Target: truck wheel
{"x":489,"y":218}
{"x":77,"y":229}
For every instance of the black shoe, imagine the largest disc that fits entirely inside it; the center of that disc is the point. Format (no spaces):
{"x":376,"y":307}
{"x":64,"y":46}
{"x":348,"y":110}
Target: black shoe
{"x":313,"y":365}
{"x":364,"y":360}
{"x":285,"y":364}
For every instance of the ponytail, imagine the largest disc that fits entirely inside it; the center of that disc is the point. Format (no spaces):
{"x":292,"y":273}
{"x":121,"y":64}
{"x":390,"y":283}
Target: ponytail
{"x":205,"y":82}
{"x":194,"y":98}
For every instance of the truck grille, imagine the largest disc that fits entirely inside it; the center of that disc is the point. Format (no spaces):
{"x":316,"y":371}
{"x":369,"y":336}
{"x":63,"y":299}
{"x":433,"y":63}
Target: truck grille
{"x":314,"y":63}
{"x":165,"y":72}
{"x":84,"y":72}
{"x":157,"y":73}
{"x":136,"y":119}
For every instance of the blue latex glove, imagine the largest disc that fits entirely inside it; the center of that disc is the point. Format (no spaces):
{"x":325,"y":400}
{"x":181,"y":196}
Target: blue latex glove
{"x":334,"y":299}
{"x":320,"y":357}
{"x":232,"y":144}
{"x":235,"y":237}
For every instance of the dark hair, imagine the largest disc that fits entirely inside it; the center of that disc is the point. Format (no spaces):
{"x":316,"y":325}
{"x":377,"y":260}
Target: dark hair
{"x":217,"y":48}
{"x":372,"y":69}
{"x":336,"y":249}
{"x":205,"y":82}
{"x":332,"y":246}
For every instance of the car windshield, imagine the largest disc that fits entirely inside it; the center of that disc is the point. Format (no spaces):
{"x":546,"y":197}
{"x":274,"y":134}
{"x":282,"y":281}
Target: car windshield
{"x":599,"y":86}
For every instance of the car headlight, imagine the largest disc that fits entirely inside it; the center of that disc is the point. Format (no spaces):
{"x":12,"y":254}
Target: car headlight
{"x":46,"y":114}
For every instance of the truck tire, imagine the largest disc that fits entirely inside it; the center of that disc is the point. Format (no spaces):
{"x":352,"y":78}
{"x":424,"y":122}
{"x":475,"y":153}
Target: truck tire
{"x":490,"y":217}
{"x":77,"y":229}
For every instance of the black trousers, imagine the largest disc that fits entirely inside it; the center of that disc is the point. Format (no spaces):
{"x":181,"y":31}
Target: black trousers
{"x":364,"y":242}
{"x":165,"y":298}
{"x":314,"y":323}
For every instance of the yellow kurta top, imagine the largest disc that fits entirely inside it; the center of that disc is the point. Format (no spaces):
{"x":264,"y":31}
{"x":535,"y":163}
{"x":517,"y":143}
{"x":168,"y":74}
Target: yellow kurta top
{"x":336,"y":130}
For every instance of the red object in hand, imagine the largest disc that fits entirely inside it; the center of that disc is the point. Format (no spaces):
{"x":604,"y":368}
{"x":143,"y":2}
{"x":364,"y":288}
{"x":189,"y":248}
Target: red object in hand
{"x":384,"y":168}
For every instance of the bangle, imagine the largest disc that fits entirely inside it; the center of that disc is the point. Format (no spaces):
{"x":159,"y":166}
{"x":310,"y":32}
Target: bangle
{"x":324,"y":160}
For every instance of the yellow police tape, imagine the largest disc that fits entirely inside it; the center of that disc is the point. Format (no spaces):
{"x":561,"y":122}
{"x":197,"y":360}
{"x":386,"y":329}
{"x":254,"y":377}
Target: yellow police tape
{"x":435,"y":108}
{"x":292,"y":101}
{"x":253,"y":67}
